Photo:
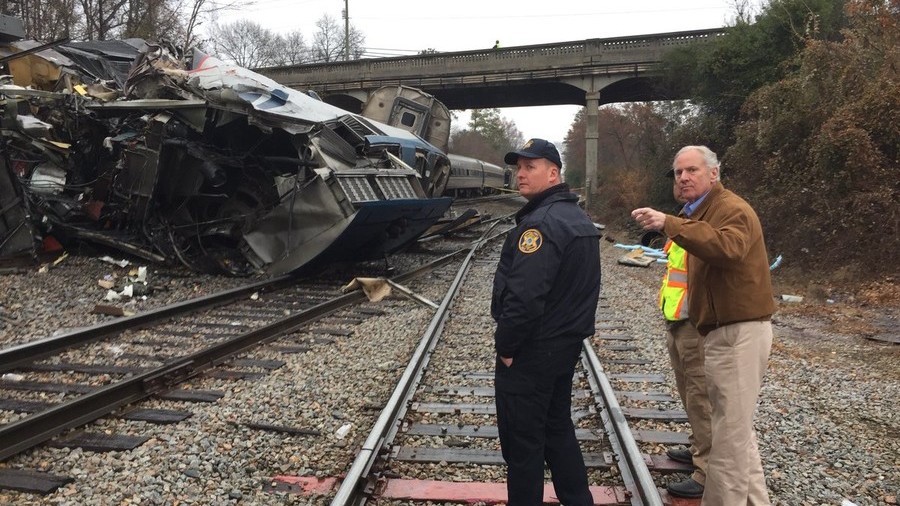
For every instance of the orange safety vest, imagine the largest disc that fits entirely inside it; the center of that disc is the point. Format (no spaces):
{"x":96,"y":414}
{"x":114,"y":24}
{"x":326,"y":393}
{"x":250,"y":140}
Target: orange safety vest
{"x":673,"y":293}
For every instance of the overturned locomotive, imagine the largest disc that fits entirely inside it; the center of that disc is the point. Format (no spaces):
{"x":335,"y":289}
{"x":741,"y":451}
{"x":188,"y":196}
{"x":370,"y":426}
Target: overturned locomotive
{"x":119,"y":143}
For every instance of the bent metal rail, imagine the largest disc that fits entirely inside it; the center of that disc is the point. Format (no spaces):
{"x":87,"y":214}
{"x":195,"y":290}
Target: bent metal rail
{"x":359,"y":484}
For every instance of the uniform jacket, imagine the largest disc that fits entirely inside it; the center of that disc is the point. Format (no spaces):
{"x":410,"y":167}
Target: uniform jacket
{"x":728,"y":267}
{"x":548,"y":279}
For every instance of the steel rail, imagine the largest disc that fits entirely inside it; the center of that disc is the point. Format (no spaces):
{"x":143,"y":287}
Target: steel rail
{"x":34,"y":429}
{"x":17,"y":356}
{"x":386,"y":426}
{"x":634,"y":471}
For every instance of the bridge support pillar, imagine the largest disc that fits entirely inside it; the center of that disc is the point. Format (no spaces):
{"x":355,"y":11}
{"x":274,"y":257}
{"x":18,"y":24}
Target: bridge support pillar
{"x":591,"y":140}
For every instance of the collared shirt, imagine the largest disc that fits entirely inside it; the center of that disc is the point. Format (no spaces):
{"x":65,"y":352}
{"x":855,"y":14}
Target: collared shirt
{"x":690,"y":207}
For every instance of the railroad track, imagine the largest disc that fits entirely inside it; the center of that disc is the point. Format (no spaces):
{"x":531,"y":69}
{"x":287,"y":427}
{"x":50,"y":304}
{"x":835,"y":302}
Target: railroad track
{"x":99,"y":370}
{"x":453,"y":398}
{"x":435,"y":440}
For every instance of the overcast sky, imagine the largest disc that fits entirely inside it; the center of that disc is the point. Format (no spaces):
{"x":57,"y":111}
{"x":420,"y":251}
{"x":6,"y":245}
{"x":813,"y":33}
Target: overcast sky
{"x":403,"y":27}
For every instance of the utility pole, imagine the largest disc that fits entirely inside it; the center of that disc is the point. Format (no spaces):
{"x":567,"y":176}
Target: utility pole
{"x":346,"y":30}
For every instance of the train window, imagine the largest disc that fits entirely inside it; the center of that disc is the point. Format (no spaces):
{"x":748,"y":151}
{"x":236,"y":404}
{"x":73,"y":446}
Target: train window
{"x":408,"y":119}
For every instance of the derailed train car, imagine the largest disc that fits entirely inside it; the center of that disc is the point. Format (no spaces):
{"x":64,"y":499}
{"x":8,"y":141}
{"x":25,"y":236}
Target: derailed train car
{"x":421,"y":113}
{"x":213,"y":165}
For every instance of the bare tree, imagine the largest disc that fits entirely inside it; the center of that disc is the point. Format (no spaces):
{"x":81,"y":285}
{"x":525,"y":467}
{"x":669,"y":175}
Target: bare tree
{"x":102,"y":17}
{"x":155,"y":20}
{"x":191,"y":23}
{"x":290,"y":49}
{"x":328,"y":42}
{"x":174,"y":20}
{"x":195,"y":12}
{"x":245,"y":43}
{"x":357,"y":43}
{"x":743,"y":11}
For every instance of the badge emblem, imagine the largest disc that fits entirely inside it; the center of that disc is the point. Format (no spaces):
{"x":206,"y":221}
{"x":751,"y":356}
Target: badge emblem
{"x":530,"y":241}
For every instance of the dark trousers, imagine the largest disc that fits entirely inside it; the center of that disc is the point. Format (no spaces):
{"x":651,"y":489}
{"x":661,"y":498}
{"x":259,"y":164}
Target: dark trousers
{"x":534,"y":418}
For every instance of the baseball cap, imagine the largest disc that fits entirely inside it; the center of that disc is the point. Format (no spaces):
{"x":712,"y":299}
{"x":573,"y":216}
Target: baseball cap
{"x":535,"y":148}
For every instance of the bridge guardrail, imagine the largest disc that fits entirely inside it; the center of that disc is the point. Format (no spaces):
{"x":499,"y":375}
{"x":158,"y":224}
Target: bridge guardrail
{"x":591,"y":52}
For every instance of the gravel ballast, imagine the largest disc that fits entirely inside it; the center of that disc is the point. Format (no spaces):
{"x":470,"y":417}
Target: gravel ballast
{"x":828,"y":424}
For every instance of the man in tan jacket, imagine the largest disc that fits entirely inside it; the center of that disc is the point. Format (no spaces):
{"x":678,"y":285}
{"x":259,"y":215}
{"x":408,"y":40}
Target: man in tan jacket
{"x":686,"y":355}
{"x":731,"y":304}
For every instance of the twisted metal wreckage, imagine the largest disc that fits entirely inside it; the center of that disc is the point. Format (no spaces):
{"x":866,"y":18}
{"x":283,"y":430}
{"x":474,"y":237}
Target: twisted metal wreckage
{"x":214,"y":166}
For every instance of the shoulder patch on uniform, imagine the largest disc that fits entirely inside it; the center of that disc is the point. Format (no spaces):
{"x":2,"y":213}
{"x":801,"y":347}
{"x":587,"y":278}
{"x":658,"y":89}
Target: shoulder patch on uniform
{"x":530,"y":241}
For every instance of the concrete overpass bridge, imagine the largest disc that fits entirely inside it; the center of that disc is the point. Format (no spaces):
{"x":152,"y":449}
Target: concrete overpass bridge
{"x":589,"y":73}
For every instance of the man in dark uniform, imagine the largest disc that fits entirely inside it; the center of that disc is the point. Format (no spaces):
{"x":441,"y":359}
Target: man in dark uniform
{"x":544,"y":302}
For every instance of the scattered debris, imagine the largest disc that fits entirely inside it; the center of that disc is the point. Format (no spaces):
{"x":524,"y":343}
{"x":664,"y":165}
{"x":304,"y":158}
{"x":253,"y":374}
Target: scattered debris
{"x":414,"y":296}
{"x":341,"y":433}
{"x":791,"y":298}
{"x":110,"y":260}
{"x":46,"y":267}
{"x":60,"y":259}
{"x":112,"y":295}
{"x":775,"y":263}
{"x":637,"y":257}
{"x":375,"y":289}
{"x":139,"y":275}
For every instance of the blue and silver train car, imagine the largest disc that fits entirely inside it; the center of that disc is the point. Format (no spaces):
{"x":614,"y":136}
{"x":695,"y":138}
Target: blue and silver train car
{"x":470,"y":177}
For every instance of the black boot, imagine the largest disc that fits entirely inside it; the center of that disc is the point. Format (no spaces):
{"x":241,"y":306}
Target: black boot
{"x":686,"y":488}
{"x":682,"y":455}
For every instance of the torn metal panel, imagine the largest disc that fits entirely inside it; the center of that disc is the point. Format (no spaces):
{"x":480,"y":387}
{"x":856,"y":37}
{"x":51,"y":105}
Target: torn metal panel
{"x":17,"y":234}
{"x":214,"y":166}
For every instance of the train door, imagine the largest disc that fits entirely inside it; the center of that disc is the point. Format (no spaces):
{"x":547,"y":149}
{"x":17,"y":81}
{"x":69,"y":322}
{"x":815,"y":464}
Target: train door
{"x":410,"y":116}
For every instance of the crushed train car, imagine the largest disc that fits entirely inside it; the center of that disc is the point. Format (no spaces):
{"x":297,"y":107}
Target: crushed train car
{"x":215,"y":166}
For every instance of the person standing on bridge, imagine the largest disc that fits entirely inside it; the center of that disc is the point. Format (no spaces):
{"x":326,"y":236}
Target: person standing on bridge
{"x":730,"y":301}
{"x":686,"y":355}
{"x":544,"y":301}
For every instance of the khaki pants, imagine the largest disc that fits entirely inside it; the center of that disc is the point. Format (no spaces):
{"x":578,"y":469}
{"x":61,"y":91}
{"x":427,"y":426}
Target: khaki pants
{"x":736,"y":358}
{"x":686,"y":353}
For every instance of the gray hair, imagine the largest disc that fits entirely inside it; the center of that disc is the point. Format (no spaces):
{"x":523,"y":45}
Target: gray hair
{"x":709,"y":157}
